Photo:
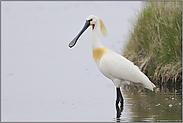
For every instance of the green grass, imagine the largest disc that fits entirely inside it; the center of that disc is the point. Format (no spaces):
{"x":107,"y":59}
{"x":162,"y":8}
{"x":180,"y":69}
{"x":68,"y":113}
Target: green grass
{"x":155,"y":43}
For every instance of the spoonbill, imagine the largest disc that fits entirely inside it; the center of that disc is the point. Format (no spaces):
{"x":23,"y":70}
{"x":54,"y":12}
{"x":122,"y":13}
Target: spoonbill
{"x":112,"y":65}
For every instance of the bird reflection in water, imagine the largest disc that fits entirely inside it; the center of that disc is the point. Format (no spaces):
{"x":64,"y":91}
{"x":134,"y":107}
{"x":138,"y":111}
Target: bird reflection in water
{"x":119,"y":110}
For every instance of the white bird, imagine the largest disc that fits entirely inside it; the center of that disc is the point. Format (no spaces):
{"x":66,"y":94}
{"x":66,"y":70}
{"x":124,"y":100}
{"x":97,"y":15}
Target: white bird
{"x":112,"y":65}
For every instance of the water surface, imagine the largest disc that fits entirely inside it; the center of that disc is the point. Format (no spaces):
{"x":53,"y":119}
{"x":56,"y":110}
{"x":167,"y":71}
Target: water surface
{"x":152,"y":106}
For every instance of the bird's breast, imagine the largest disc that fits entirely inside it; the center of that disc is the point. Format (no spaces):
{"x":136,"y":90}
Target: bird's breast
{"x":99,"y":53}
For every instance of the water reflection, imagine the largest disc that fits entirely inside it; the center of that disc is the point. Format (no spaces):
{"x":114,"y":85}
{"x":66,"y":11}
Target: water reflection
{"x":119,"y":110}
{"x":147,"y":106}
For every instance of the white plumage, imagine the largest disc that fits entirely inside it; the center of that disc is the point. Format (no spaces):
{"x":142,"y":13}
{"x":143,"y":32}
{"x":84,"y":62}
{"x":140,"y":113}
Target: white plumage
{"x":112,"y":65}
{"x":119,"y":69}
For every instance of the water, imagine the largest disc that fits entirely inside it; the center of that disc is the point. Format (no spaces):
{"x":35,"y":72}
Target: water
{"x":43,"y":80}
{"x":85,"y":104}
{"x":152,"y":107}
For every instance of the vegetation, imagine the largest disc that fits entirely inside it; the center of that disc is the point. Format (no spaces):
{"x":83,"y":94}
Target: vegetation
{"x":155,"y":44}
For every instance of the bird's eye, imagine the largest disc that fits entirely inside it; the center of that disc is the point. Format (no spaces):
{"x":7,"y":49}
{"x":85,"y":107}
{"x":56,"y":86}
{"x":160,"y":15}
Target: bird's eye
{"x":91,"y":19}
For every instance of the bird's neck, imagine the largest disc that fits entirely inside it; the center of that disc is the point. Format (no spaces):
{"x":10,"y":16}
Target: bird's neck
{"x":96,"y":38}
{"x":98,"y":49}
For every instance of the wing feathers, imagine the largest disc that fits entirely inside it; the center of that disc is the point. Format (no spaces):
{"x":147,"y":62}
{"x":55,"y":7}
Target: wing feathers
{"x":116,"y":66}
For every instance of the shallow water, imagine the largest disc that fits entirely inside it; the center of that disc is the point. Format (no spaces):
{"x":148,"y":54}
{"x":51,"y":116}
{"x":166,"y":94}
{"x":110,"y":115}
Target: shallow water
{"x":152,"y":107}
{"x":94,"y":106}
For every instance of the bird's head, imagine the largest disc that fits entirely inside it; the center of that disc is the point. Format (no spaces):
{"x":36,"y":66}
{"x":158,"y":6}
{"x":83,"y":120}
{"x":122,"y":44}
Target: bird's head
{"x":93,"y":21}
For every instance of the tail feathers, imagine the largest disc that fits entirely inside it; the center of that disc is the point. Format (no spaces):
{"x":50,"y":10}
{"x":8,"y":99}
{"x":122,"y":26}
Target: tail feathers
{"x":147,"y":83}
{"x":151,"y":87}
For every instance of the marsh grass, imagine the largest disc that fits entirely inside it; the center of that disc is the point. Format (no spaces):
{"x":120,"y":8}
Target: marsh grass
{"x":155,"y":43}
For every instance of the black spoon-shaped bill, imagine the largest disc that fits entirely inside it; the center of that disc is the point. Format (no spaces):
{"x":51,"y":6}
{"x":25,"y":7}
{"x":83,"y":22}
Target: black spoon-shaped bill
{"x":73,"y":42}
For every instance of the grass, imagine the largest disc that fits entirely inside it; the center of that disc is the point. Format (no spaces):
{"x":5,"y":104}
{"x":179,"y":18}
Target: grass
{"x":155,"y":43}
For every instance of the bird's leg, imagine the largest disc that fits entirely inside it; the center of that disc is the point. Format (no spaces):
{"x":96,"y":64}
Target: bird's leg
{"x":119,"y":97}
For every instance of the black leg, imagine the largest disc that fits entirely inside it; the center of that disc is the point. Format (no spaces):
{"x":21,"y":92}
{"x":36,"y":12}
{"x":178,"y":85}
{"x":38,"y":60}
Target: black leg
{"x":119,"y":97}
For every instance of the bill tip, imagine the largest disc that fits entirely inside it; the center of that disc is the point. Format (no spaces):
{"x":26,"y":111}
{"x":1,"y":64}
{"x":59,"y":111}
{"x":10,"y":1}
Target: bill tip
{"x":70,"y":46}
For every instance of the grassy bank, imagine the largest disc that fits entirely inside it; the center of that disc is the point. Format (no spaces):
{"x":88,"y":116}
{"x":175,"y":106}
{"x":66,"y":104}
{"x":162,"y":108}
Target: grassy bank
{"x":155,"y":44}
